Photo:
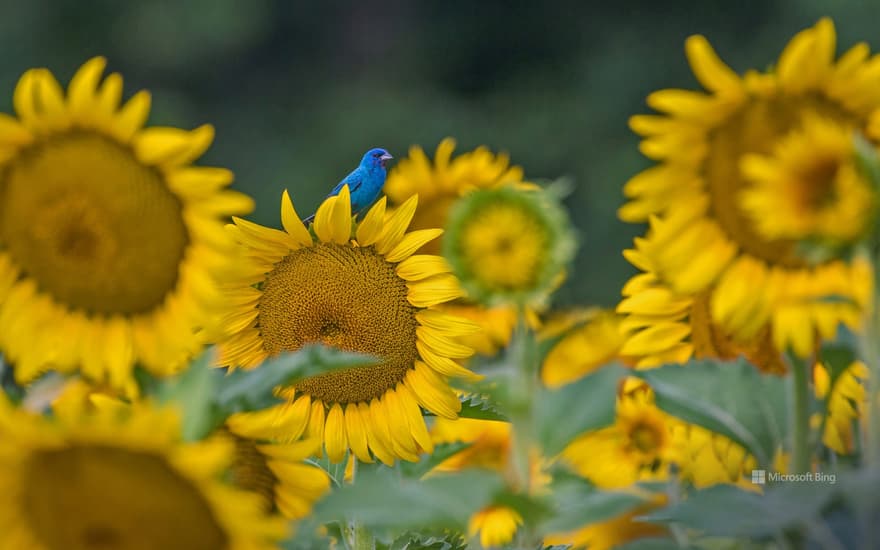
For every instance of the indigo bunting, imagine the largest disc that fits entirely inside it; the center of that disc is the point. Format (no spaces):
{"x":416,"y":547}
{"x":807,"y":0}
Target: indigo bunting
{"x":364,"y":182}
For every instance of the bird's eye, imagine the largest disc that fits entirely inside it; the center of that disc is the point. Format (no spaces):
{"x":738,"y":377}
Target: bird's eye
{"x":377,"y":155}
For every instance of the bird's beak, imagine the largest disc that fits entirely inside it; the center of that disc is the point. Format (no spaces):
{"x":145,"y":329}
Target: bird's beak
{"x":385,"y":157}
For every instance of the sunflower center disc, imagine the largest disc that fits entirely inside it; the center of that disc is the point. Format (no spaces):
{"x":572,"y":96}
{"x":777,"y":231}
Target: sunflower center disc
{"x":103,"y":498}
{"x":645,"y":438}
{"x":504,"y":247}
{"x":95,"y":228}
{"x":349,"y":298}
{"x":756,"y":128}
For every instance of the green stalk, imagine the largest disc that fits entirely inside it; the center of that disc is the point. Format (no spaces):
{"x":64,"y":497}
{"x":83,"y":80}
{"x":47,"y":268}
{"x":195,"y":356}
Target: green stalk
{"x":801,"y":416}
{"x":356,"y":535}
{"x":523,"y":386}
{"x":870,"y":344}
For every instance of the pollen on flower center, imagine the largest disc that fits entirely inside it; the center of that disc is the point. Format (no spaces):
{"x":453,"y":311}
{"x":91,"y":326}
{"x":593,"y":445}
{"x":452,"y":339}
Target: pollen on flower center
{"x":96,"y":229}
{"x":756,"y":128}
{"x":645,"y":438}
{"x":818,"y":183}
{"x":350,"y":298}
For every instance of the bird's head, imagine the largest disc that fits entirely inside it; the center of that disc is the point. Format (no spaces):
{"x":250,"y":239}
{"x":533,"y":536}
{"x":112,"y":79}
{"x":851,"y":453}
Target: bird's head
{"x":376,"y":157}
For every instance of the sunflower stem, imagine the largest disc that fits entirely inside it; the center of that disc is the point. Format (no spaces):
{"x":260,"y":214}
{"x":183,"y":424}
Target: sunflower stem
{"x":870,"y":351}
{"x":356,"y":535}
{"x":801,"y":416}
{"x":523,"y":386}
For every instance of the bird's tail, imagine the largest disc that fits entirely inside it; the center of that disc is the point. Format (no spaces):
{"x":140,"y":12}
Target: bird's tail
{"x":307,"y":220}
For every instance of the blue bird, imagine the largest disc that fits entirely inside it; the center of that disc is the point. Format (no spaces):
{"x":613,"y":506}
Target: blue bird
{"x":364,"y":182}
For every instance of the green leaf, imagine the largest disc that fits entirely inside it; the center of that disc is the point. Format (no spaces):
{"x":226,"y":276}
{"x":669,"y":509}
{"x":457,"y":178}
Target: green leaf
{"x":838,"y":358}
{"x":335,"y":471}
{"x":577,"y":503}
{"x":208,"y":395}
{"x":10,"y":387}
{"x":727,"y":511}
{"x":381,"y":500}
{"x":193,"y":391}
{"x":307,"y":536}
{"x":867,"y":159}
{"x":654,"y":543}
{"x":249,"y":390}
{"x":415,"y":470}
{"x":480,"y":407}
{"x":730,"y":398}
{"x":573,"y":409}
{"x":423,"y":541}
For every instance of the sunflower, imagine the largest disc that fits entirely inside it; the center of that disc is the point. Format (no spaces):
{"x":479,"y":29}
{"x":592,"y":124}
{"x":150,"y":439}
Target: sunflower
{"x":108,"y":235}
{"x":613,"y":532}
{"x":810,"y":187}
{"x":439,"y":185}
{"x":708,"y":458}
{"x":702,"y":141}
{"x":490,"y":447}
{"x":509,"y":245}
{"x":846,"y":403}
{"x":639,"y":446}
{"x":277,"y":473}
{"x":489,"y":443}
{"x":596,"y":342}
{"x":661,"y":326}
{"x":359,"y":288}
{"x":494,"y":525}
{"x":122,"y":481}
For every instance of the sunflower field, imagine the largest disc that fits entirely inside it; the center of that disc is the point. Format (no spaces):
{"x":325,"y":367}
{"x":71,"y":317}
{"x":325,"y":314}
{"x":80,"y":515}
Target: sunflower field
{"x":394,"y":369}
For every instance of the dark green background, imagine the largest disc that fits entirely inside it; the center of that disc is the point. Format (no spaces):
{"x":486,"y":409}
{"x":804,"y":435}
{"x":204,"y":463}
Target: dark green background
{"x":298,"y":90}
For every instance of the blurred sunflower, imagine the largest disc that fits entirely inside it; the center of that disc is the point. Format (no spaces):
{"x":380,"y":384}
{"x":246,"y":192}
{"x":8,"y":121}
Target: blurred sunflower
{"x":489,"y":447}
{"x":702,"y":140}
{"x":509,"y":245}
{"x":277,"y":473}
{"x":846,"y":403}
{"x":109,"y":238}
{"x":810,"y":187}
{"x":614,"y":532}
{"x":366,"y":293}
{"x":439,"y":184}
{"x":274,"y":471}
{"x":494,"y":525}
{"x":708,"y":458}
{"x":595,"y":340}
{"x":611,"y":533}
{"x":122,"y":481}
{"x":639,"y":446}
{"x":661,"y":326}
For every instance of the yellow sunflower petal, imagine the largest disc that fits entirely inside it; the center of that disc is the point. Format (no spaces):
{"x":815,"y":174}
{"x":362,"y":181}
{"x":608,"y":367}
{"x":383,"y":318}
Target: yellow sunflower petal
{"x":434,"y":290}
{"x":396,"y":225}
{"x":357,"y":433}
{"x":340,"y":217}
{"x":370,"y":229}
{"x":335,"y":439}
{"x":292,"y":223}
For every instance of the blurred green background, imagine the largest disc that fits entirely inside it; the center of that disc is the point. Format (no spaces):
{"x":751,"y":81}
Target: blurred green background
{"x":299,"y":90}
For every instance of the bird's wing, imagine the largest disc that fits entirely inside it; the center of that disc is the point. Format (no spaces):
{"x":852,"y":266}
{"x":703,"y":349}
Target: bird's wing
{"x":353,"y":180}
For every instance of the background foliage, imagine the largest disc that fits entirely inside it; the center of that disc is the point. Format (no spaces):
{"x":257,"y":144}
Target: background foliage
{"x":298,"y":90}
